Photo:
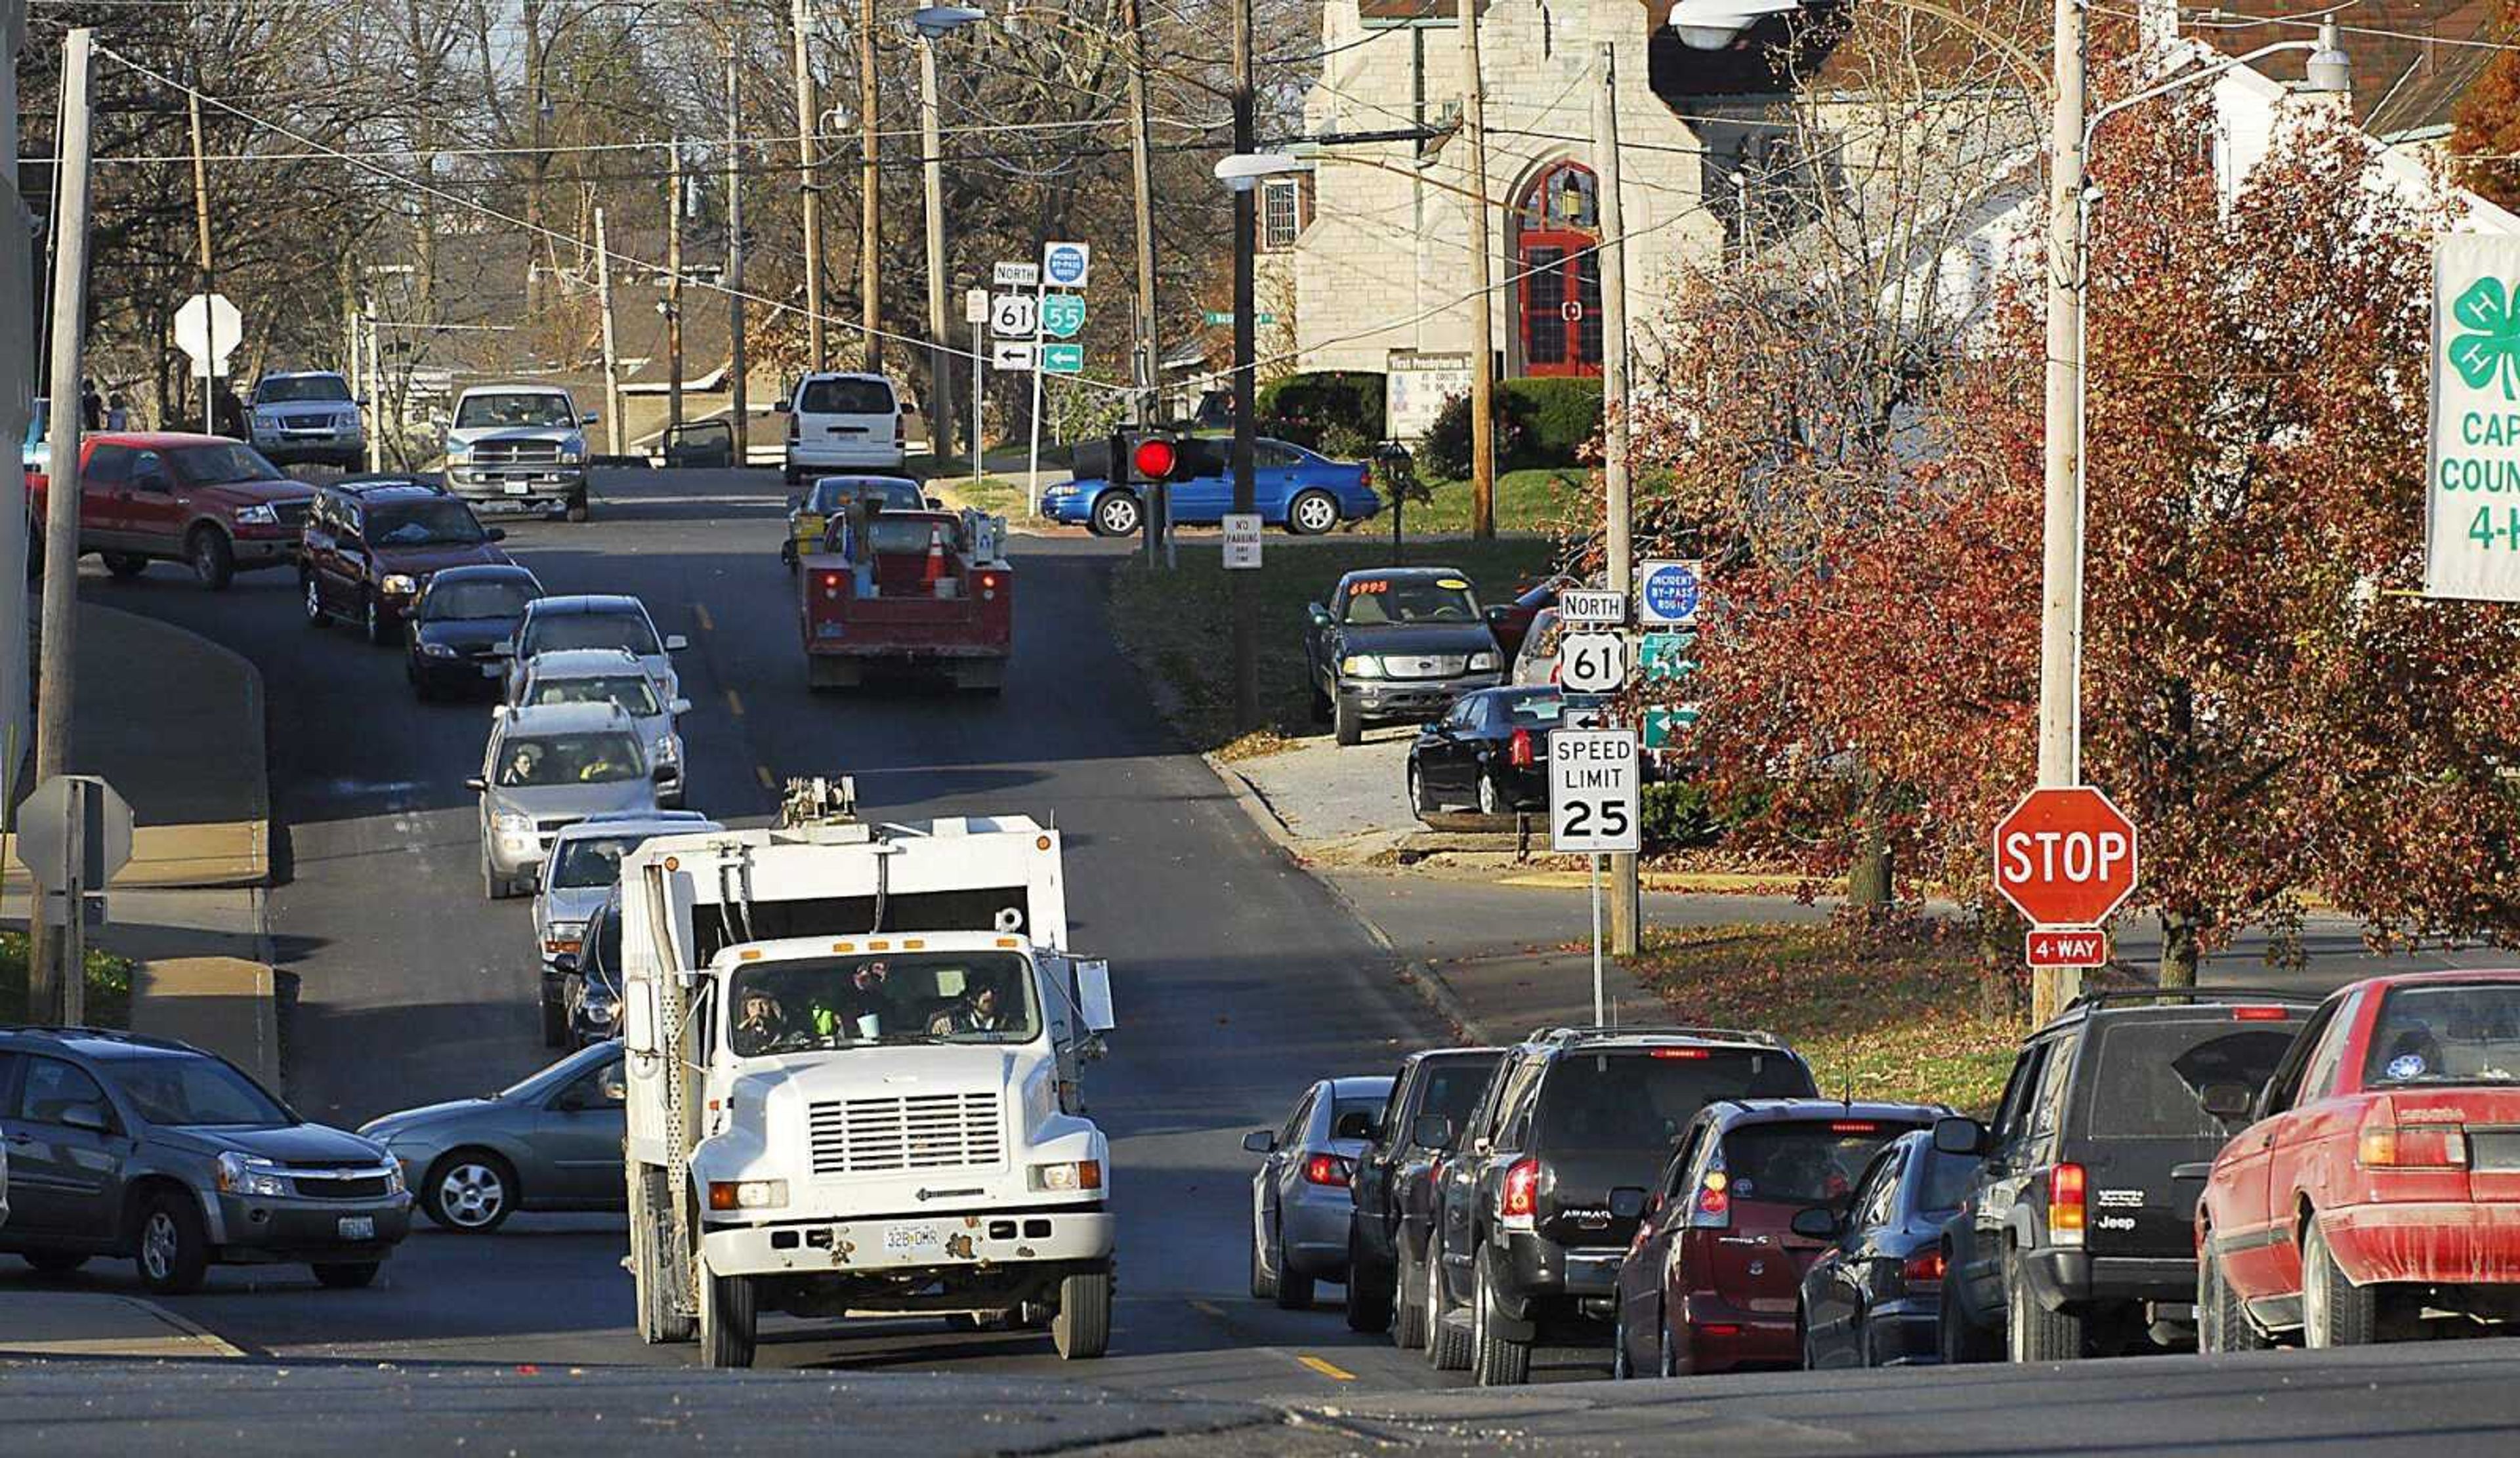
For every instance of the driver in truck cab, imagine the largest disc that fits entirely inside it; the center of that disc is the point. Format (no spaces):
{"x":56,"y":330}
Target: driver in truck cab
{"x":982,"y":1010}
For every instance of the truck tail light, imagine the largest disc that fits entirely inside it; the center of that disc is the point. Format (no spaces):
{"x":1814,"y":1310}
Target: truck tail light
{"x":1518,"y":1202}
{"x":831,"y":582}
{"x":1518,"y":751}
{"x":1329,"y":1168}
{"x":2413,"y":1146}
{"x":1923,"y":1270}
{"x":2067,"y":1194}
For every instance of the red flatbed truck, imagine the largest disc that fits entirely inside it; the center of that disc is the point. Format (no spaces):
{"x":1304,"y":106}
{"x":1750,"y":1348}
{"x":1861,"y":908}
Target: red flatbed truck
{"x":909,"y":591}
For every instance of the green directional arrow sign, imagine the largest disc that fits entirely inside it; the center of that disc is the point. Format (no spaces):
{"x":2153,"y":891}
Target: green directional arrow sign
{"x":1063,"y":314}
{"x":1665,"y":728}
{"x":1668,"y":657}
{"x":1062,"y":359}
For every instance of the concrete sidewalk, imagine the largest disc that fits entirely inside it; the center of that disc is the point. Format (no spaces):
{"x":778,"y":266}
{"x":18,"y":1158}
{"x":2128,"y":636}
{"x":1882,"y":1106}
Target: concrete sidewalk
{"x":36,"y":1323}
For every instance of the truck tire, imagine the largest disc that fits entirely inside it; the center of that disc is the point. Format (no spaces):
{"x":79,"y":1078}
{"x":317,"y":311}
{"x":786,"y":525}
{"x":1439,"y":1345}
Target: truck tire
{"x":1368,"y":1289}
{"x":2031,"y":1332}
{"x":577,"y":511}
{"x":2334,"y":1311}
{"x":213,"y":561}
{"x":2222,"y":1317}
{"x":353,"y":1275}
{"x":660,"y":1316}
{"x":1496,"y":1360}
{"x":1348,"y":716}
{"x":980,"y":678}
{"x":728,"y":1317}
{"x":1448,"y":1347}
{"x":1408,"y":1319}
{"x":823,"y":670}
{"x":1082,"y":1328}
{"x":125,"y":565}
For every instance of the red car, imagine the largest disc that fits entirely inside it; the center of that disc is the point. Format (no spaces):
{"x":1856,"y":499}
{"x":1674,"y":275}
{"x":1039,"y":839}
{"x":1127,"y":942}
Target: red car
{"x":1713,"y":1279}
{"x":209,"y":503}
{"x":2380,"y":1184}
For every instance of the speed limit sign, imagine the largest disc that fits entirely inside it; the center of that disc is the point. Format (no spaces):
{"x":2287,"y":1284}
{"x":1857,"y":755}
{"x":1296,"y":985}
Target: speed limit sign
{"x":1593,"y":662}
{"x":1593,"y":792}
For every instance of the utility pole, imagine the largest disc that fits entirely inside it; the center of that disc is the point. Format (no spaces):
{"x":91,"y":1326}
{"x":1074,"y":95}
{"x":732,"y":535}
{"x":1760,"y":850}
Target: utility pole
{"x":611,"y":353}
{"x":1626,"y":905}
{"x":674,"y":287}
{"x":202,"y":224}
{"x":377,"y":381}
{"x":2060,"y":731}
{"x":1246,"y":660}
{"x":808,"y":121}
{"x":1150,"y":354}
{"x":46,"y":982}
{"x":938,"y":402}
{"x":1474,"y":131}
{"x":738,"y":403}
{"x":870,"y":198}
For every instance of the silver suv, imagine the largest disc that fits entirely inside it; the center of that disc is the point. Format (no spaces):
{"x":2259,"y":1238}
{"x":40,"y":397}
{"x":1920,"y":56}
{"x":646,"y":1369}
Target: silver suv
{"x":519,"y":448}
{"x":546,"y":769}
{"x":585,"y":861}
{"x":307,"y":415}
{"x":617,"y":676}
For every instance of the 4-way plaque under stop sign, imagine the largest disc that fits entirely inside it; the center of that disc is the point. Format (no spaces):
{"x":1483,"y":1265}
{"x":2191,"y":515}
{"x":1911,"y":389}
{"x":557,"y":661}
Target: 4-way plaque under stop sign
{"x":2065,"y":857}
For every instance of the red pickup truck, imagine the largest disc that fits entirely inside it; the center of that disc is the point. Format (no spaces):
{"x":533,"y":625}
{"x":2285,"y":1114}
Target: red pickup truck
{"x":212,"y":503}
{"x":911,"y":590}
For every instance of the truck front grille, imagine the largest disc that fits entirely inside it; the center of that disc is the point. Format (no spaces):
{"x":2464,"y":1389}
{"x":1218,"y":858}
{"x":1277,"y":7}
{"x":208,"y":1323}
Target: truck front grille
{"x":921,"y":1132}
{"x":1431,"y":666}
{"x":515,"y":453}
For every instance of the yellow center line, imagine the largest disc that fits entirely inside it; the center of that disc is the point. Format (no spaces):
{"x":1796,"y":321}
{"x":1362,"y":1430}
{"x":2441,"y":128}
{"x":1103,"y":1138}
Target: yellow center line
{"x":699,"y":610}
{"x":1334,"y":1374}
{"x":762,"y":773}
{"x":735,"y":703}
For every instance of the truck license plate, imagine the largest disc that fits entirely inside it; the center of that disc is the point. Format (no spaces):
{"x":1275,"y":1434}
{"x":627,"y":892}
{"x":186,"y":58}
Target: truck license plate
{"x":913,"y":1238}
{"x":358,"y":1227}
{"x":517,"y":488}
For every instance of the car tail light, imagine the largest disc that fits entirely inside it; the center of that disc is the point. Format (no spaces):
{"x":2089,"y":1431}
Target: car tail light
{"x":1365,"y":476}
{"x":2067,"y":1193}
{"x":1519,"y":749}
{"x":1853,"y":1127}
{"x":1713,"y":1208}
{"x":1719,"y":1329}
{"x":2413,"y":1146}
{"x":1519,"y":1202}
{"x":831,"y":584}
{"x":793,"y":433}
{"x":1327,"y":1168}
{"x":1924,"y":1269}
{"x":988,"y":587}
{"x":2260,"y":1014}
{"x":1680,"y":1052}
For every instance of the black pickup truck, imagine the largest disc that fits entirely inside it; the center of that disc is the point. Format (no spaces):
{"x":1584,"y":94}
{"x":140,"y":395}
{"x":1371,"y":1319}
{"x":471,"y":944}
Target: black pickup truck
{"x":1395,"y":1192}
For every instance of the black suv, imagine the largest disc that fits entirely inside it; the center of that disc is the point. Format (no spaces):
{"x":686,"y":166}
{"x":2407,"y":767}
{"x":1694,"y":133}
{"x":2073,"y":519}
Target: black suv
{"x":1540,"y":1202}
{"x":122,"y":1145}
{"x":2078,"y":1234}
{"x":1395,"y":1202}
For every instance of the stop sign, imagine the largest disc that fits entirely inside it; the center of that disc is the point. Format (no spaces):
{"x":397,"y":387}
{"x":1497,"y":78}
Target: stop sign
{"x":2065,"y":857}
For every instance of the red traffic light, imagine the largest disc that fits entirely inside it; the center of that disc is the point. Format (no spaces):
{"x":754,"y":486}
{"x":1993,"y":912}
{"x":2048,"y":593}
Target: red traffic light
{"x":1155,"y":459}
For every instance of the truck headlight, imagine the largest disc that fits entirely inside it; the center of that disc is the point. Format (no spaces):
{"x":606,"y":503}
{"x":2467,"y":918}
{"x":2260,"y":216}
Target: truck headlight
{"x":250,"y":1175}
{"x":748,"y":1194}
{"x":513,"y":825}
{"x":399,"y":584}
{"x":572,"y":453}
{"x":564,"y":937}
{"x":1483,"y":663}
{"x":669,"y":750}
{"x":1361,"y":665}
{"x":457,"y":454}
{"x":257,"y":514}
{"x":393,"y":1177}
{"x":1082,"y":1174}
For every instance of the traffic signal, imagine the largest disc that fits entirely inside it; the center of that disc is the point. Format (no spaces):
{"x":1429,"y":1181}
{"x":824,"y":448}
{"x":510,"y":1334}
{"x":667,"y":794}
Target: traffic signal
{"x":1154,"y":457}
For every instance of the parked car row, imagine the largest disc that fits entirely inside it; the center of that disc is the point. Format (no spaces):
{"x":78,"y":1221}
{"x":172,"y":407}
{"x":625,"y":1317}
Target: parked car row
{"x":1302,"y":490}
{"x":1684,"y":1196}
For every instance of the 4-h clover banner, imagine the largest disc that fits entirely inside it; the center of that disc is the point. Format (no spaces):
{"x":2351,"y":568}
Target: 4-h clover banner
{"x":2472,"y":482}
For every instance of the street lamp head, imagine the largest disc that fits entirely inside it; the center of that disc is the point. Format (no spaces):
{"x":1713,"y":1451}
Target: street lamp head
{"x":1243,"y":170}
{"x":2329,"y":72}
{"x":935,"y":20}
{"x":1713,"y":24}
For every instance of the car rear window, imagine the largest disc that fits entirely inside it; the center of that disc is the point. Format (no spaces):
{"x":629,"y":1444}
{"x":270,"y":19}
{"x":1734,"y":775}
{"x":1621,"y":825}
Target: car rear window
{"x":1643,"y":1099}
{"x":845,"y":397}
{"x":623,"y":629}
{"x":2457,"y":1034}
{"x":1805,"y":1162}
{"x":1356,"y":1118}
{"x":2145,"y":1082}
{"x":1539,"y":708}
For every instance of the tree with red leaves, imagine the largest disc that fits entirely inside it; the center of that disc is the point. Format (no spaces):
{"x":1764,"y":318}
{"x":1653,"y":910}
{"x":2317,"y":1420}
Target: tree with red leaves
{"x":2485,"y":126}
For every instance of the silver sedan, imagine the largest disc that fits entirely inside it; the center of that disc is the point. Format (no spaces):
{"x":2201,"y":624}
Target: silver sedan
{"x":1301,"y":1205}
{"x":551,"y":1142}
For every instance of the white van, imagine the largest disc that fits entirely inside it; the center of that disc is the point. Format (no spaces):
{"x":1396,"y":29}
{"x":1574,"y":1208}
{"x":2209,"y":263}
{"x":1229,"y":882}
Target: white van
{"x":842,"y":422}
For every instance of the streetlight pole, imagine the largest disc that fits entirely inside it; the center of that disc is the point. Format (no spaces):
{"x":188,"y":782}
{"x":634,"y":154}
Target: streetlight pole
{"x":1475,"y":132}
{"x":1626,"y":904}
{"x":738,"y":403}
{"x":939,"y":407}
{"x":807,"y":118}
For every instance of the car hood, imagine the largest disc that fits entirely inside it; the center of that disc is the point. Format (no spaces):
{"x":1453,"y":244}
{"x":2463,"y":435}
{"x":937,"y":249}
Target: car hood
{"x":410,"y":1120}
{"x":469,"y":632}
{"x":295,"y":1144}
{"x":477,"y":434}
{"x":567,"y":904}
{"x":1420,"y":638}
{"x":342,"y":408}
{"x":422,"y":560}
{"x":580,"y":800}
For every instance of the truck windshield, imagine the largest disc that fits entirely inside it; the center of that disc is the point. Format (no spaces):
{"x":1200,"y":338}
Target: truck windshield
{"x":188,"y":1091}
{"x":288,"y":389}
{"x":522,"y":409}
{"x":851,"y":1002}
{"x":221,"y":463}
{"x":428,"y":523}
{"x":897,"y":494}
{"x":1377,"y":602}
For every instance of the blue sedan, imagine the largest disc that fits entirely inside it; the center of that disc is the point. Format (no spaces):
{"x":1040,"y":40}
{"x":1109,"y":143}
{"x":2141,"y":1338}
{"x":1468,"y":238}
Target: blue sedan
{"x":1305,"y":492}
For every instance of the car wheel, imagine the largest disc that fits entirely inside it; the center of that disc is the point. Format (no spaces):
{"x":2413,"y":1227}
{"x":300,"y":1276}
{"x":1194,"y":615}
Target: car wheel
{"x":1622,"y":1366}
{"x":316,"y":616}
{"x":1409,"y":1320}
{"x":1496,"y":1360}
{"x":1490,"y":804}
{"x":1348,"y":720}
{"x":1082,"y":1326}
{"x":1958,"y":1338}
{"x":2334,"y":1311}
{"x":2222,"y":1317}
{"x":1321,"y":701}
{"x":346,"y":1276}
{"x":2031,"y":1332}
{"x":371,"y":617}
{"x":54,"y":1262}
{"x":470,"y":1191}
{"x":1294,"y":1290}
{"x":1368,"y":1289}
{"x":1417,"y":805}
{"x":577,"y":509}
{"x":1116,"y":513}
{"x":1447,"y":1347}
{"x":1264,"y":1281}
{"x":213,"y":559}
{"x":1311,"y":512}
{"x":125,"y":565}
{"x":173,"y":1251}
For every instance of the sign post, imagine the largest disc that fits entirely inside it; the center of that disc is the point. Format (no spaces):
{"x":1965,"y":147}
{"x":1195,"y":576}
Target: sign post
{"x":975,"y":313}
{"x":74,"y":834}
{"x":1593,"y":812}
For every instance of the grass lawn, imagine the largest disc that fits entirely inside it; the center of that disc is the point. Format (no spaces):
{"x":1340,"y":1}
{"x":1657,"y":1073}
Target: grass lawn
{"x":1526,"y":501}
{"x":1178,"y":626}
{"x":109,"y":985}
{"x":995,"y":495}
{"x":1891,"y":1019}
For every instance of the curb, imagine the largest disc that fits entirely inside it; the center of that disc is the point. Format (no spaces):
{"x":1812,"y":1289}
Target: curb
{"x":1419,"y":976}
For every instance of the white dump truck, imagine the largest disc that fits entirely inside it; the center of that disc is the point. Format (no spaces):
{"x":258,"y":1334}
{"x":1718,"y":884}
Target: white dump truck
{"x":854,"y":1058}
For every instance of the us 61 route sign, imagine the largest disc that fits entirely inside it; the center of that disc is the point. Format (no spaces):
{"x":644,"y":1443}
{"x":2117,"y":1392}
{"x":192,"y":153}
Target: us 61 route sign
{"x":1593,"y":792}
{"x":1593,"y":663}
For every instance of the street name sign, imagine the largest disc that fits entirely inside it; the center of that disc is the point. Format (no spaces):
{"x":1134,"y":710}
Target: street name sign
{"x":1667,"y":594}
{"x":1014,"y":315}
{"x":2065,"y":857}
{"x":1593,"y":662}
{"x":1066,"y":265}
{"x":2472,"y":479}
{"x":1241,"y":541}
{"x":1593,"y":792}
{"x":1062,"y":359}
{"x":1017,"y":276}
{"x":1591,"y":605}
{"x":1063,"y":314}
{"x":2067,"y":947}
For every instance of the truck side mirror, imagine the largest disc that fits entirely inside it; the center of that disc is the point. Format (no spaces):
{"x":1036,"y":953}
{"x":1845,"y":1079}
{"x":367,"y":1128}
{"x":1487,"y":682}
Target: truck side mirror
{"x":1430,"y":1131}
{"x":675,"y":643}
{"x":1094,"y":995}
{"x":1320,"y":615}
{"x":679,"y":707}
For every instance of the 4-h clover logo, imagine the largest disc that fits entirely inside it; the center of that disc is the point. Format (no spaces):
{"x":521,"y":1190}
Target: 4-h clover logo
{"x":2493,"y":351}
